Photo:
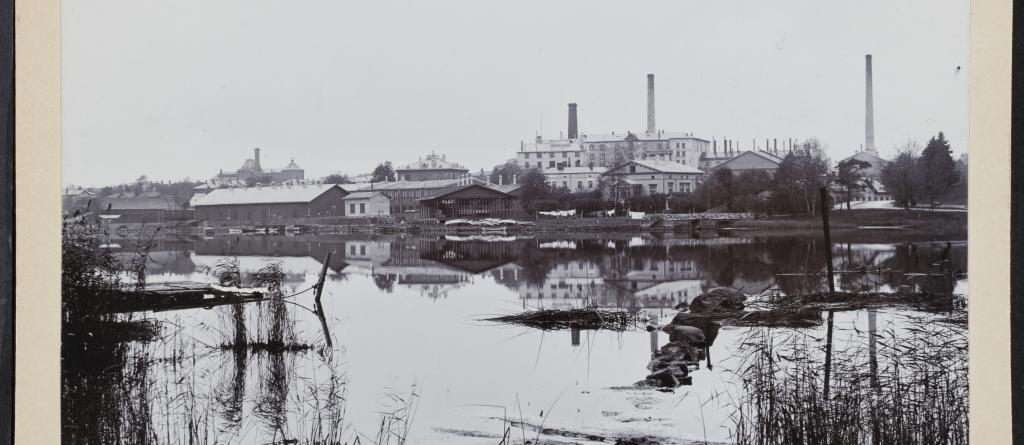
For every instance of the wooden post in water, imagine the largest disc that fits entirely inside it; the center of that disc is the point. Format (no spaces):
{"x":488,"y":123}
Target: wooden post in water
{"x":831,"y":288}
{"x":828,"y":353}
{"x":828,"y":240}
{"x":319,"y":309}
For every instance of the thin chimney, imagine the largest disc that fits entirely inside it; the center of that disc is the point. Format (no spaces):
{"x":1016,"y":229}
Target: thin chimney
{"x":869,"y":108}
{"x":573,"y":129}
{"x":256,"y":159}
{"x":650,"y":104}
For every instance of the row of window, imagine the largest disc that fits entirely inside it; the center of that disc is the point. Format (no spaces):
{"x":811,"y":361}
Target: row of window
{"x":551,"y":164}
{"x":551,"y":154}
{"x":683,"y":187}
{"x":579,"y":184}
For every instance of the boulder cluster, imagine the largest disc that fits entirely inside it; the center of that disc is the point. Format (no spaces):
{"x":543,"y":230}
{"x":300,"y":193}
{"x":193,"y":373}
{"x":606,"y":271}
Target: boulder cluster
{"x":690,"y":334}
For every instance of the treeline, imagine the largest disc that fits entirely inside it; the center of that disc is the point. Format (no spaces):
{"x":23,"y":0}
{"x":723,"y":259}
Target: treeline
{"x":914,"y":179}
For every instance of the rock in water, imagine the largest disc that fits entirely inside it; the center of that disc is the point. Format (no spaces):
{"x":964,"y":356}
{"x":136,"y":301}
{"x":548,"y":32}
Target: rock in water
{"x":688,"y":334}
{"x":720,"y":300}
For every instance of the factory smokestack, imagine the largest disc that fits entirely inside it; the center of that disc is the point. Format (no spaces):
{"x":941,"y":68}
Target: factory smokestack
{"x":573,"y":130}
{"x":256,"y":159}
{"x":869,"y":108}
{"x":650,"y":104}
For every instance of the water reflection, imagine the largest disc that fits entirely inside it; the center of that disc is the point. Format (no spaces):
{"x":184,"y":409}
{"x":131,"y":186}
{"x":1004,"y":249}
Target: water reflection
{"x":209,"y":380}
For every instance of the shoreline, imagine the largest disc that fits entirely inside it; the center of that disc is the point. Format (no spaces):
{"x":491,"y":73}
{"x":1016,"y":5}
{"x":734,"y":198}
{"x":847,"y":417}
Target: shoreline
{"x":873,"y":224}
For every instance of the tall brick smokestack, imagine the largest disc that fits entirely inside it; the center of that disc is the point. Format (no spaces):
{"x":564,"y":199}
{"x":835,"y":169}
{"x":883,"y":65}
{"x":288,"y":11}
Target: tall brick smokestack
{"x":650,"y":104}
{"x":869,"y":108}
{"x":256,"y":159}
{"x":573,"y":129}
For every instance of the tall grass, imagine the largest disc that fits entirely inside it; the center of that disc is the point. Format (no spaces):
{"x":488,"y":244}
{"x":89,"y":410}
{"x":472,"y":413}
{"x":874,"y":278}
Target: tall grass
{"x":903,"y":387}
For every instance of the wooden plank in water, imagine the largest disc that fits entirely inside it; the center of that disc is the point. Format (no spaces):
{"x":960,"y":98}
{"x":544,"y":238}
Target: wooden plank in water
{"x":175,"y":296}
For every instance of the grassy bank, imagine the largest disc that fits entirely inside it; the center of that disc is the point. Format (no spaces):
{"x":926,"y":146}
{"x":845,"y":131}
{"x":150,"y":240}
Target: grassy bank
{"x":941,"y":224}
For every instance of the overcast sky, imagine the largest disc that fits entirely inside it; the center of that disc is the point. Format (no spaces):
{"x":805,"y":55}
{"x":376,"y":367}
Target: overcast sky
{"x":185,"y":88}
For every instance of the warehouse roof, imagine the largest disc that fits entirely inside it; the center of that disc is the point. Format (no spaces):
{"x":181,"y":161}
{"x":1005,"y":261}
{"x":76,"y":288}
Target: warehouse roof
{"x":264,"y":195}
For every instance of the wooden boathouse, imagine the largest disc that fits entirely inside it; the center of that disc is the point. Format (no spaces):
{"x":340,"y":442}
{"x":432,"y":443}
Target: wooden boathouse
{"x":469,"y":201}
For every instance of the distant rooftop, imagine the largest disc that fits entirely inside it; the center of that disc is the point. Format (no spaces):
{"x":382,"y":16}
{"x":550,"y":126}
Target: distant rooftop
{"x":402,"y":185}
{"x":364,"y":195}
{"x":432,"y":161}
{"x":575,"y":170}
{"x":640,"y":136}
{"x":666,"y":166}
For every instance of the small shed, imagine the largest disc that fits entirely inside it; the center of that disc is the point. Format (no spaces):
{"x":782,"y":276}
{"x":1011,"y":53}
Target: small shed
{"x":367,"y":203}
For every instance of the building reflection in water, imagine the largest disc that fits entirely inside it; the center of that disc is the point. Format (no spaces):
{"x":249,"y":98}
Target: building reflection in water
{"x":634,"y":272}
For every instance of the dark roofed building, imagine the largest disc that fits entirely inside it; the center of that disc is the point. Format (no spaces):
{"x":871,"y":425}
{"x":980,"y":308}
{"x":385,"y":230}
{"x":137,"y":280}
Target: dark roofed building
{"x":469,"y":201}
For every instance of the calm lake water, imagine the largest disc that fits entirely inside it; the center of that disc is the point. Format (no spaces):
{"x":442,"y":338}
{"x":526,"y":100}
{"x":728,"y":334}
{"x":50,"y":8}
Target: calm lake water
{"x":406,"y":320}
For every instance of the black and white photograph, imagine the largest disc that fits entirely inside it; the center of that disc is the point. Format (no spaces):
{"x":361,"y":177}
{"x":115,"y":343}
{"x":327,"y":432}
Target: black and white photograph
{"x":464,"y":222}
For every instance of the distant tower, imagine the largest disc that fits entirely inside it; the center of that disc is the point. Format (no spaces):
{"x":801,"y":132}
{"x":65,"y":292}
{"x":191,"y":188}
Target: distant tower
{"x":869,"y":109}
{"x":256,"y":160}
{"x":573,"y":129}
{"x":650,"y":104}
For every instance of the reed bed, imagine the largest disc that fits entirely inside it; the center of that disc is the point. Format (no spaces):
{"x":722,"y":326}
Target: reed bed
{"x":906,"y":386}
{"x":585,"y":318}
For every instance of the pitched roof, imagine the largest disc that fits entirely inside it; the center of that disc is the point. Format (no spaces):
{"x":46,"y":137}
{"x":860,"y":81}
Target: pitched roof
{"x":506,"y":188}
{"x":460,"y":188}
{"x":661,"y":166}
{"x":758,"y":154}
{"x":868,"y":156}
{"x":355,"y":186}
{"x":264,"y":195}
{"x":364,"y":195}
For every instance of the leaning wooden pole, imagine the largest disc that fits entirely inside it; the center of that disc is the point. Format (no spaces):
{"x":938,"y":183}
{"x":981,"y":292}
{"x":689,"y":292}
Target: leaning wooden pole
{"x":828,"y":240}
{"x":319,"y":309}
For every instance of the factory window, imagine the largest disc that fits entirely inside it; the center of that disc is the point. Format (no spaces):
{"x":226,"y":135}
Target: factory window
{"x":362,"y":208}
{"x":565,"y":154}
{"x":551,"y":154}
{"x":590,"y":184}
{"x":352,"y":209}
{"x":565,"y":185}
{"x":579,"y":185}
{"x":670,"y":187}
{"x":686,"y":187}
{"x":632,"y":169}
{"x":653,"y":188}
{"x":577,"y":162}
{"x":362,"y":249}
{"x":551,"y":164}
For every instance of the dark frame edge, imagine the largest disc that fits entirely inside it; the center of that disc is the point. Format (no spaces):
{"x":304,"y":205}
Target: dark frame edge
{"x":1017,"y":228}
{"x":7,"y":331}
